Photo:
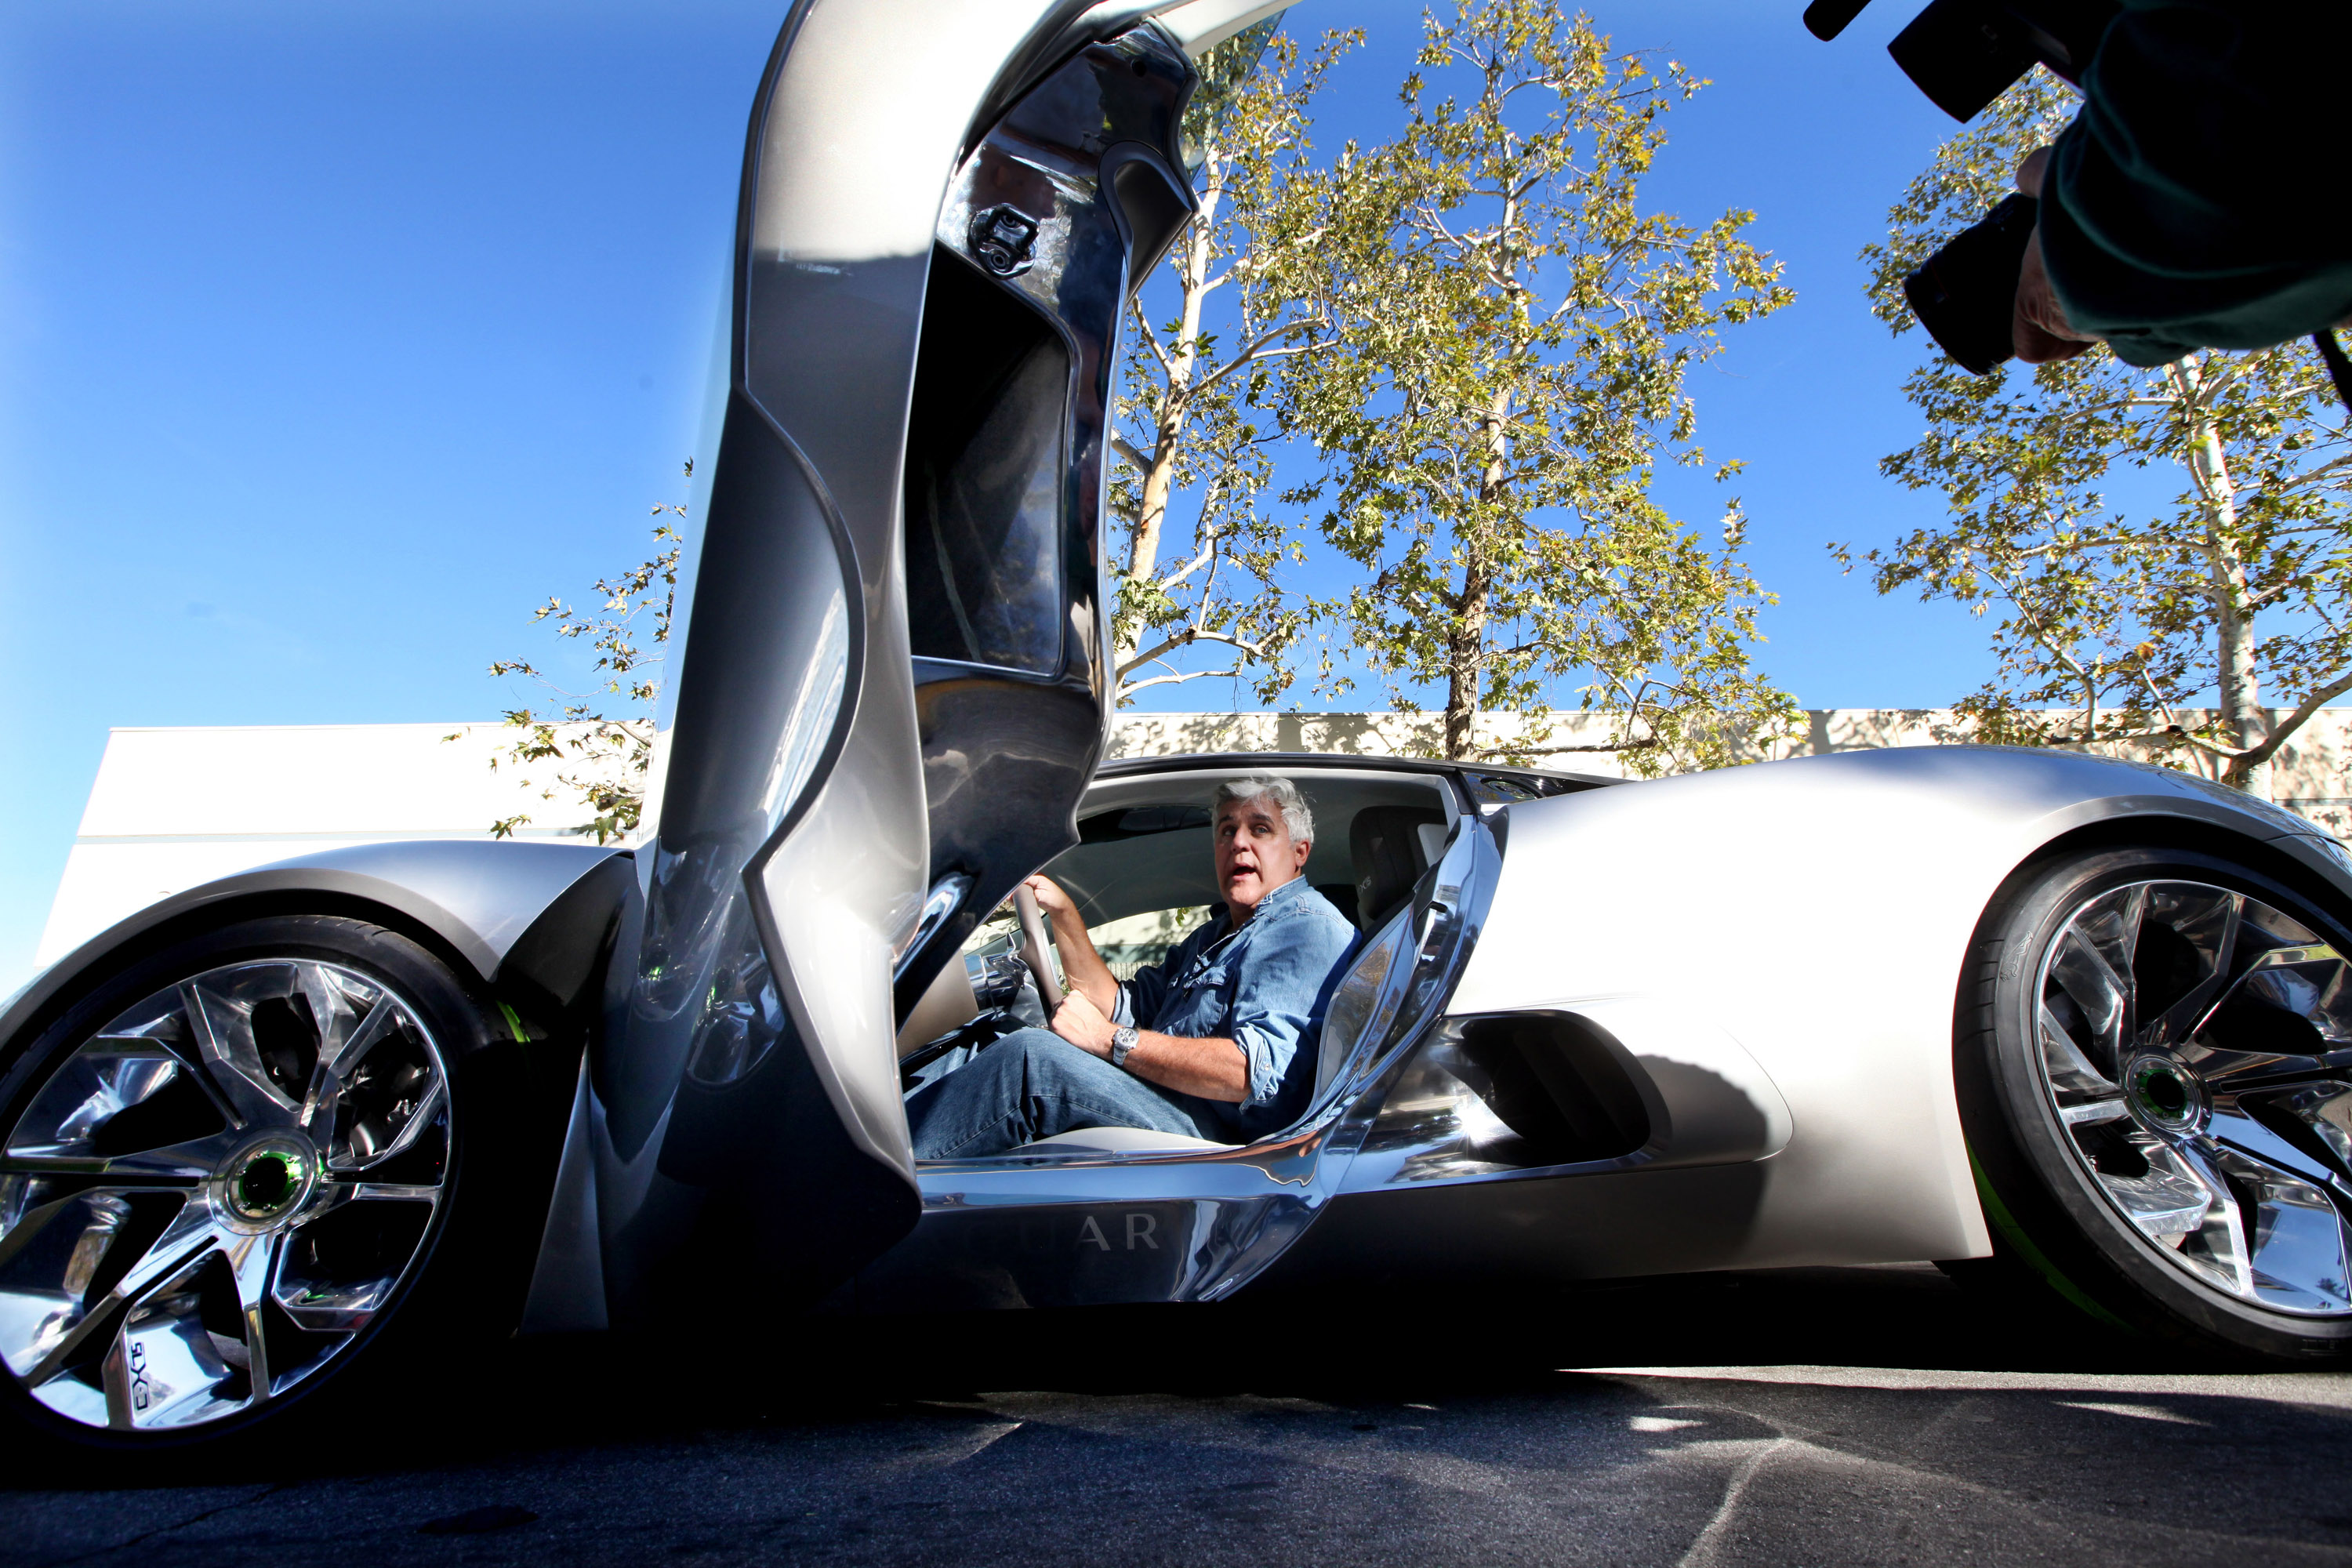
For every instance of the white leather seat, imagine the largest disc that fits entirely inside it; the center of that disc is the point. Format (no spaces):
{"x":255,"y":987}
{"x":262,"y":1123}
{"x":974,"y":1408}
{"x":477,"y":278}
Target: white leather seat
{"x":1122,"y":1140}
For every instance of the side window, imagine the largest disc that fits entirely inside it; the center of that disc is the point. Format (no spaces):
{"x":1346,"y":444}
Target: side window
{"x":1136,"y":941}
{"x":986,"y":466}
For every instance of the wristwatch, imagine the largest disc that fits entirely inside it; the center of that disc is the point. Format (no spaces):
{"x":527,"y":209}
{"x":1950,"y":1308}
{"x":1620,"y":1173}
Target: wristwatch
{"x":1122,"y":1040}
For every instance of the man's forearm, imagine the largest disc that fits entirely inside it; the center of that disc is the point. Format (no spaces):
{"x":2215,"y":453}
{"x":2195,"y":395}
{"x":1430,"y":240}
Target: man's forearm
{"x":1082,"y":966}
{"x":1210,"y":1069}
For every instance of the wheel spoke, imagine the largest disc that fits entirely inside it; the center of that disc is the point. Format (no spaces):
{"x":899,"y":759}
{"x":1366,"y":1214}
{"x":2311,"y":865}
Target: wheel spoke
{"x":2171,"y":1201}
{"x":253,"y":1261}
{"x":164,"y":1366}
{"x":2103,"y":994}
{"x":338,"y":1270}
{"x":190,"y":1161}
{"x":2294,"y":1241}
{"x":2281,"y":1016}
{"x":224,"y":1037}
{"x":336,"y":1057}
{"x":2233,"y":1127}
{"x":2327,"y":1110}
{"x":380,"y":1095}
{"x":2218,"y":1243}
{"x":125,"y":1107}
{"x":2092,"y":1112}
{"x":49,"y":1267}
{"x":2070,"y":1071}
{"x":2206,"y":920}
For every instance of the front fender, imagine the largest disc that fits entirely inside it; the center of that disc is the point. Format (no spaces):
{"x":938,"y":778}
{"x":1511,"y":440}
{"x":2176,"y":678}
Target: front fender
{"x":499,"y":906}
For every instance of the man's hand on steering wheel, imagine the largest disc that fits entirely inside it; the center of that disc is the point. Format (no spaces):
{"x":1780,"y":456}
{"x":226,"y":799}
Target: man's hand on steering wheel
{"x":1080,"y":1022}
{"x":1054,"y":903}
{"x":1082,"y":968}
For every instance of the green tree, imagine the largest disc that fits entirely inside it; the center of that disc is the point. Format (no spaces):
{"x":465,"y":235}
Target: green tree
{"x":1194,"y":422}
{"x":2116,"y":616}
{"x":1512,"y":330}
{"x":591,"y":749}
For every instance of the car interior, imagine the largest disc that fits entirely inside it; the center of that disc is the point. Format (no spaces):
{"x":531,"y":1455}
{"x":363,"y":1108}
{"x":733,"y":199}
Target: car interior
{"x":1143,"y":876}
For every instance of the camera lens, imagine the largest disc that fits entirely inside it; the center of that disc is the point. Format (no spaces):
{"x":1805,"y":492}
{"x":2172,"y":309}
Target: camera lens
{"x":1966,"y":293}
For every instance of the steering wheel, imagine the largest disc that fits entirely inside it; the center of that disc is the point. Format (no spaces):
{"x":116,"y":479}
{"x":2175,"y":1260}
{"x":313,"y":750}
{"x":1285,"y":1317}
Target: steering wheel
{"x":1032,"y":948}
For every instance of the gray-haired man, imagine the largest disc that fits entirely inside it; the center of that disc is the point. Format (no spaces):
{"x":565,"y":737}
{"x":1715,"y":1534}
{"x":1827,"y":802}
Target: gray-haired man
{"x":1206,"y":1044}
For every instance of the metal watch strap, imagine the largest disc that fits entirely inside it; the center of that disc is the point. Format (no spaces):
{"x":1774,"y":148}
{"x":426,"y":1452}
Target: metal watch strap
{"x":1122,"y":1040}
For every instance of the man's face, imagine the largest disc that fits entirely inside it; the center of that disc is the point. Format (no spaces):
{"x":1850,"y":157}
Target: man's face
{"x":1256,"y":853}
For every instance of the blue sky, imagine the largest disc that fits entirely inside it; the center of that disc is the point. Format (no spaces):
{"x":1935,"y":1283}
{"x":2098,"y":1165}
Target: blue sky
{"x":333,"y":337}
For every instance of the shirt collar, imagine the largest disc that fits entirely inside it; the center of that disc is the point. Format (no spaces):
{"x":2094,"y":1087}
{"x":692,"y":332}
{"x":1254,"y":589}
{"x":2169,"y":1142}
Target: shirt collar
{"x":1271,"y":901}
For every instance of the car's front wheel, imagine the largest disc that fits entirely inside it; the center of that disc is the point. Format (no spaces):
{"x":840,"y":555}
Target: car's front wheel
{"x":247,"y":1168}
{"x":2151,"y":1055}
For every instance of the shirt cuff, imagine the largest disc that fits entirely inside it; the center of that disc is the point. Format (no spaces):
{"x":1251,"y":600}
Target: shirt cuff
{"x":1265,"y":1072}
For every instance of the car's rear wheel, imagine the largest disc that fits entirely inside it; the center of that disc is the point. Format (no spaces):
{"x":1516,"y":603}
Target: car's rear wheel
{"x":251,"y":1167}
{"x":2151,"y":1055}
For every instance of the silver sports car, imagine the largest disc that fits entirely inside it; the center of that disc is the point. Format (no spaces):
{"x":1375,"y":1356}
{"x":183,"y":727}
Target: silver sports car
{"x":2085,"y":1020}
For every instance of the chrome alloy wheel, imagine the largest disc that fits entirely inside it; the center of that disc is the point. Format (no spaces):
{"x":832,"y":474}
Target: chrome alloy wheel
{"x":2193,"y":1042}
{"x":207,"y":1201}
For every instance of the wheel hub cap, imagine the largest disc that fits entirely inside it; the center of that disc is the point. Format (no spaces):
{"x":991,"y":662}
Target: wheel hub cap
{"x":266,"y":1182}
{"x":2164,"y":1096}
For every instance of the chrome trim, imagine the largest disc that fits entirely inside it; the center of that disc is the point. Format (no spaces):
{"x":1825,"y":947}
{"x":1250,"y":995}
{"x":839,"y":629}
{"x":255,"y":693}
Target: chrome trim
{"x":165,"y":1190}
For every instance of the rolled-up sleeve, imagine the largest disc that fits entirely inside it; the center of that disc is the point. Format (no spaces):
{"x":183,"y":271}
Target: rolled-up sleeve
{"x":1278,"y":997}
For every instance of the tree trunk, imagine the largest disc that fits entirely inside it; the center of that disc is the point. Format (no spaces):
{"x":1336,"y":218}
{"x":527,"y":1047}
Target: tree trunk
{"x":1465,"y":650}
{"x":1465,"y":661}
{"x":2243,"y":719}
{"x":1160,"y":479}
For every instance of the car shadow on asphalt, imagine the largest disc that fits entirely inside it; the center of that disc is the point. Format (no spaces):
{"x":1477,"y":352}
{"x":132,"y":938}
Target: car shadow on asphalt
{"x":733,"y":1370}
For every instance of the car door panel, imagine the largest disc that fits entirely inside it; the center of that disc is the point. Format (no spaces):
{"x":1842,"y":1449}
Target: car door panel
{"x":744,"y":1085}
{"x":1038,"y":242}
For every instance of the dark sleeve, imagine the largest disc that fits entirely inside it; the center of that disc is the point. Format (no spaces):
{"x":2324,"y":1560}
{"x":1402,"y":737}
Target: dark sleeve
{"x":2192,"y":202}
{"x":1140,"y":994}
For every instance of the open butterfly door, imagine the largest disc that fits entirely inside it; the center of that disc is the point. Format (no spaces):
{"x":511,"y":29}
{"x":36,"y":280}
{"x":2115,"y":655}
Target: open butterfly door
{"x":890,"y":685}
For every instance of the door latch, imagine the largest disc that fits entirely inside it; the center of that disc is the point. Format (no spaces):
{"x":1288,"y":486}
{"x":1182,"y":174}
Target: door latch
{"x":1005,"y":240}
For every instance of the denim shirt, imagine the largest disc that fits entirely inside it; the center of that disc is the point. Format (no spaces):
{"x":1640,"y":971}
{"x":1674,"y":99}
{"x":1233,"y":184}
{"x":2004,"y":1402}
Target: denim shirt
{"x":1263,"y":987}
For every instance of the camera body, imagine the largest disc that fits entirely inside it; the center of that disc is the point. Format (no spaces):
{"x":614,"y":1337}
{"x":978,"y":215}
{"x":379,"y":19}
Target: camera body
{"x":1963,"y":53}
{"x":1965,"y":293}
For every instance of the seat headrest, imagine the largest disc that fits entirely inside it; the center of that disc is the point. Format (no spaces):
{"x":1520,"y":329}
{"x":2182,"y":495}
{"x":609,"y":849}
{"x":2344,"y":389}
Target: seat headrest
{"x":1385,"y":842}
{"x":1340,"y":896}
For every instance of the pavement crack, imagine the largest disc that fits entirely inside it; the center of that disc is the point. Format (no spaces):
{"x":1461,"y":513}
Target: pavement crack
{"x":194,"y":1518}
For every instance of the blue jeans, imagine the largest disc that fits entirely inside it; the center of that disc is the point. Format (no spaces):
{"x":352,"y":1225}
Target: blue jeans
{"x":1030,"y":1084}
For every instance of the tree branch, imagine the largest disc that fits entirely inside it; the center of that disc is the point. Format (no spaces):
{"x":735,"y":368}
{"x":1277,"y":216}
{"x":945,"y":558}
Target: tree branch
{"x":2255,"y":756}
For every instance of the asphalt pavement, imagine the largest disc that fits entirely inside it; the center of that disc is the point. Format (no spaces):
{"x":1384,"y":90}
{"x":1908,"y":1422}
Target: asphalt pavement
{"x":1803,"y":1417}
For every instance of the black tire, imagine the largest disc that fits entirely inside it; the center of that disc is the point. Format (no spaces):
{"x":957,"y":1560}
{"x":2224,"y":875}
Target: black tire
{"x":2055,"y":1196}
{"x":466,"y":1265}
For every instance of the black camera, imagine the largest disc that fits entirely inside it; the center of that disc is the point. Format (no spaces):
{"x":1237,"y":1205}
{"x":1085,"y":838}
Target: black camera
{"x":1966,"y":293}
{"x":1963,"y":53}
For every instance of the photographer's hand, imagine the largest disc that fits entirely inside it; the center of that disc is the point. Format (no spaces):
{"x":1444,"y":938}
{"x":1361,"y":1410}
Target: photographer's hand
{"x":2039,"y":330}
